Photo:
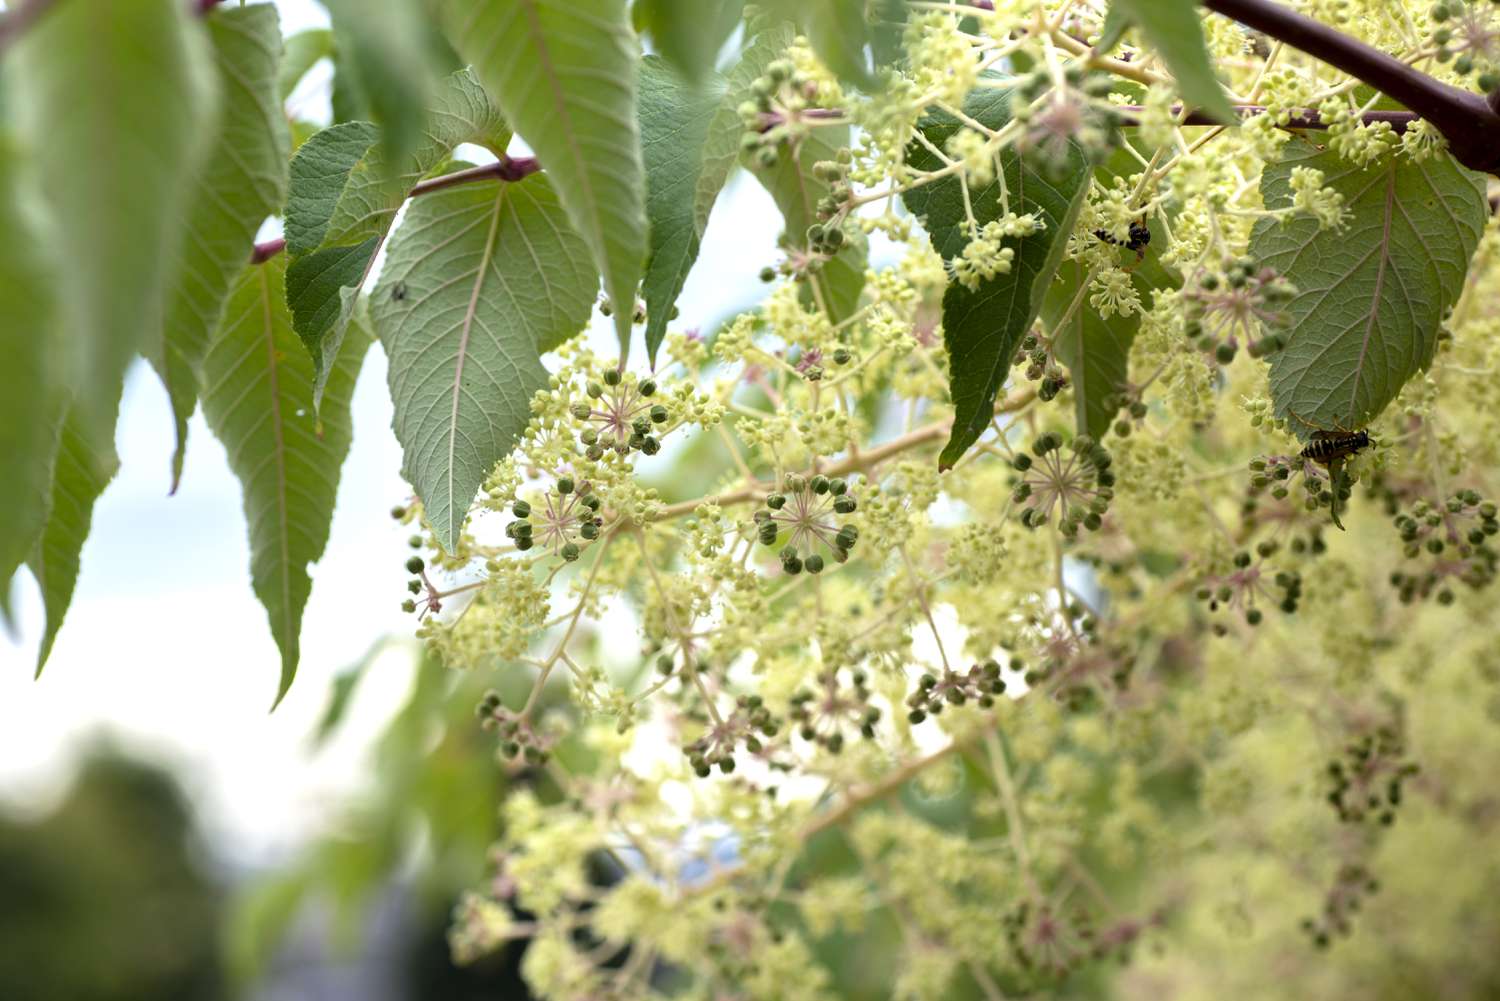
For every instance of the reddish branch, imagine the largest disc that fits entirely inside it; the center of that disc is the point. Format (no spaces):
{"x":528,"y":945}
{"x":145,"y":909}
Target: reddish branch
{"x":1469,"y":122}
{"x":504,"y":169}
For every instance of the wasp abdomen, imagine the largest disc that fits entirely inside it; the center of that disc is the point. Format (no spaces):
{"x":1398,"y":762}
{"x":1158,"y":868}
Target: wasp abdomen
{"x":1327,"y":446}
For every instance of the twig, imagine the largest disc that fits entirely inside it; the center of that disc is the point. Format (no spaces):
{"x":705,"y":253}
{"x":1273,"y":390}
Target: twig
{"x":20,"y":17}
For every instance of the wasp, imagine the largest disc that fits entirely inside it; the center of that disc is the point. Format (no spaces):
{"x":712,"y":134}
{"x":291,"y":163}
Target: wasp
{"x":1137,"y":240}
{"x":1328,"y":447}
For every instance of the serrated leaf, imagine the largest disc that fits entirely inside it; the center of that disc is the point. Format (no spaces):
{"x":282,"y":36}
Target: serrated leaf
{"x":1095,"y":348}
{"x":1174,"y":30}
{"x":257,"y":398}
{"x":563,"y":71}
{"x":797,"y":191}
{"x":688,"y":33}
{"x":675,"y":118}
{"x":1371,"y":297}
{"x":982,"y":328}
{"x":113,"y":98}
{"x":242,"y":182}
{"x":81,"y":472}
{"x":477,"y":283}
{"x":344,"y":198}
{"x":383,"y":46}
{"x":302,"y":52}
{"x":32,"y":393}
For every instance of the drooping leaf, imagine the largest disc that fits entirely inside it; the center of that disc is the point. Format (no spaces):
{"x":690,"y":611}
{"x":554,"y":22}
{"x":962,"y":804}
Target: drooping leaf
{"x":344,"y":198}
{"x":1174,"y":30}
{"x":1371,"y":296}
{"x":982,"y":327}
{"x":563,"y":71}
{"x":113,"y":99}
{"x":302,"y":52}
{"x":382,"y":46}
{"x":478,"y":282}
{"x":797,"y":191}
{"x":1095,"y":348}
{"x":1117,"y":21}
{"x":32,"y":383}
{"x":257,"y":398}
{"x":242,"y":182}
{"x":688,"y":33}
{"x":675,"y":118}
{"x":838,"y":32}
{"x":79,"y":475}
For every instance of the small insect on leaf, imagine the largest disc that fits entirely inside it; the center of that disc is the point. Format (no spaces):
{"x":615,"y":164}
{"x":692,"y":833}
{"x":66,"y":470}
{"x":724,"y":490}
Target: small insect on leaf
{"x":398,"y":291}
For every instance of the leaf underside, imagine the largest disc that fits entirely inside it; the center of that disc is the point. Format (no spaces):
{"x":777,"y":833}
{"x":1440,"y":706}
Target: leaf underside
{"x":1372,"y":296}
{"x":983,"y":327}
{"x":478,"y":282}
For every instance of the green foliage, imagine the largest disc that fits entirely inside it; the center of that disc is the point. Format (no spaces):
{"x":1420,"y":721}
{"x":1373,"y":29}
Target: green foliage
{"x":564,"y":74}
{"x":1096,"y":348}
{"x":244,"y":179}
{"x":463,"y":320}
{"x":839,"y":33}
{"x":257,"y":396}
{"x":688,"y":33}
{"x":1372,"y":295}
{"x":1175,"y":31}
{"x":384,"y":58}
{"x":343,"y":199}
{"x":982,"y":327}
{"x":300,"y":54}
{"x":132,"y":77}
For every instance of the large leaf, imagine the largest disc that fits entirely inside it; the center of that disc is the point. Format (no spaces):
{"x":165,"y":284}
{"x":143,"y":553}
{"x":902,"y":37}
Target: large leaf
{"x":257,"y":397}
{"x":675,"y":118}
{"x":1175,"y":32}
{"x":564,"y":73}
{"x":1371,"y":296}
{"x":1095,"y":348}
{"x":982,"y":328}
{"x":344,"y":197}
{"x":31,"y":380}
{"x":113,"y":98}
{"x":242,"y":182}
{"x":797,"y":191}
{"x":79,"y":475}
{"x":478,"y":282}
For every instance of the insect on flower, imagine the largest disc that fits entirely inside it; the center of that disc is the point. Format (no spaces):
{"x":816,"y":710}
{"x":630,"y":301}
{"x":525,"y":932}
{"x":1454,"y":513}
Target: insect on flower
{"x":1328,"y":447}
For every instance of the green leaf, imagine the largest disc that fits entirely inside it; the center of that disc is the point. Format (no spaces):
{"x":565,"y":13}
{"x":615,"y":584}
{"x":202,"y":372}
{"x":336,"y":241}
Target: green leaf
{"x":675,"y":119}
{"x":982,"y":328}
{"x":478,"y":282}
{"x":113,"y":98}
{"x":242,"y":182}
{"x":1372,"y":296}
{"x":81,"y":472}
{"x":838,"y":33}
{"x":688,"y":33}
{"x":257,"y":397}
{"x":564,"y":73}
{"x":31,"y":379}
{"x":302,"y":52}
{"x":1117,"y":21}
{"x":1095,"y":348}
{"x":344,"y":198}
{"x":797,"y":191}
{"x":383,"y":46}
{"x":1174,"y":30}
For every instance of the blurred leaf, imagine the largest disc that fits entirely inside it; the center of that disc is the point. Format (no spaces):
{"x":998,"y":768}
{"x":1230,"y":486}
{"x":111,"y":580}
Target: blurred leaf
{"x":838,"y":33}
{"x":302,"y":52}
{"x":79,"y":476}
{"x":342,"y":203}
{"x":1174,"y":30}
{"x":675,"y":119}
{"x":260,"y":921}
{"x":32,"y":384}
{"x":464,"y":319}
{"x":242,"y":182}
{"x":383,"y":44}
{"x":1371,"y":297}
{"x":257,"y":397}
{"x":113,"y":99}
{"x":688,"y":34}
{"x":983,"y":327}
{"x":563,"y":71}
{"x":1117,"y":21}
{"x":797,"y":191}
{"x":341,"y":694}
{"x":1095,"y":348}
